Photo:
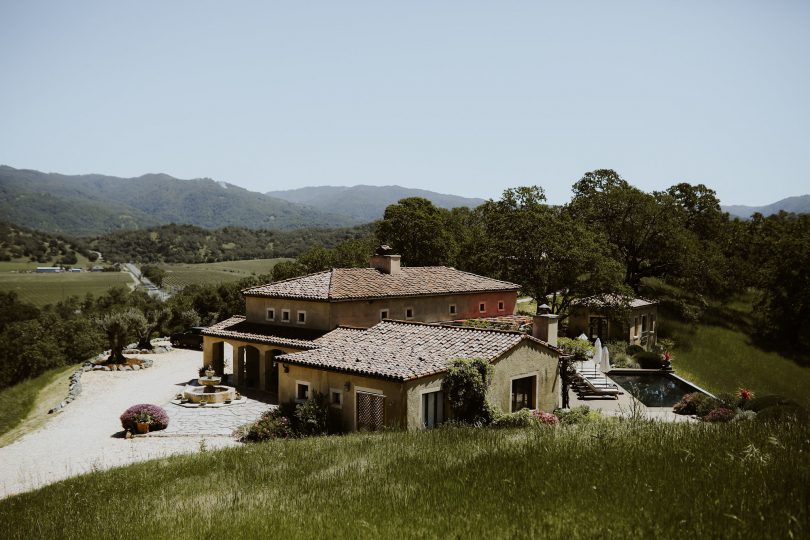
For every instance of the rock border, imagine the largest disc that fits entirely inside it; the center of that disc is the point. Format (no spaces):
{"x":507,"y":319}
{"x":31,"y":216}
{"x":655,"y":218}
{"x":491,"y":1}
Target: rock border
{"x":75,"y":386}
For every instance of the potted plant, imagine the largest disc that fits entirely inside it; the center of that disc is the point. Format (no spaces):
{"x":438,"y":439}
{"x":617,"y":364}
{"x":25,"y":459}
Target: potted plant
{"x":142,"y":421}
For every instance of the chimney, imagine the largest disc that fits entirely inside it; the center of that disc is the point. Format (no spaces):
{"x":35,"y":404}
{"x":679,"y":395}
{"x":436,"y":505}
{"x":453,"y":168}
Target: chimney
{"x":385,"y":261}
{"x":544,"y":328}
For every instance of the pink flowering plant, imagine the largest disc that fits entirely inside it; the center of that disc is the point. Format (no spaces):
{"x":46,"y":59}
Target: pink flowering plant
{"x":545,"y":418}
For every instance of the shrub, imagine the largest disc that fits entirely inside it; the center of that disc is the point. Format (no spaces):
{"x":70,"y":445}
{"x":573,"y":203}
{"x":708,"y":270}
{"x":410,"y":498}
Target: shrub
{"x":649,"y":360}
{"x":520,"y":419}
{"x":545,"y":418}
{"x":158,"y":416}
{"x":465,"y":386}
{"x":311,"y":416}
{"x":696,"y":403}
{"x":271,"y":425}
{"x":578,"y":415}
{"x":721,"y":414}
{"x":633,"y":350}
{"x":579,"y":348}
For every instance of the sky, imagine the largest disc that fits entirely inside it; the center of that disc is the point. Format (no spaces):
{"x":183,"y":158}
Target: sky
{"x":461,"y":97}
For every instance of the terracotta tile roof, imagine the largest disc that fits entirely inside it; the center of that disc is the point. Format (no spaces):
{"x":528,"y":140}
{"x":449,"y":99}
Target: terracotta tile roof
{"x":339,"y":335}
{"x":608,"y":299}
{"x":238,"y":328}
{"x":361,"y":283}
{"x":405,"y":350}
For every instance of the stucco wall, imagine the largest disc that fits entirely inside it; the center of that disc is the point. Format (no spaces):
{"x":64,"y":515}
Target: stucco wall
{"x":579,"y":321}
{"x":318,"y":312}
{"x":322,"y":381}
{"x":366,"y":313}
{"x":525,"y":360}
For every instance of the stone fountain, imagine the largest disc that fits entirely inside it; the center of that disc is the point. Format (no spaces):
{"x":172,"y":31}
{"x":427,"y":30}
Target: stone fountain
{"x":209,"y":392}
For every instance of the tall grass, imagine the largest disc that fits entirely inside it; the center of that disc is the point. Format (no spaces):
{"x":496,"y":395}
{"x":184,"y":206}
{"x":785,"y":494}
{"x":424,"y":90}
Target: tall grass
{"x":612,"y":478}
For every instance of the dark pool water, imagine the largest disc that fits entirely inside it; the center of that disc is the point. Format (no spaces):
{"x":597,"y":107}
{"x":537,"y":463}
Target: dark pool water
{"x":654,"y":389}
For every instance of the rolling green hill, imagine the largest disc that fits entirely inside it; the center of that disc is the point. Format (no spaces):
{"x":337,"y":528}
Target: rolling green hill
{"x":93,"y":204}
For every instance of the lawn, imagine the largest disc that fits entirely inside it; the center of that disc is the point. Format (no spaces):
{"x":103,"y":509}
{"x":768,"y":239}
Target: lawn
{"x":25,"y":405}
{"x":180,"y":275}
{"x":41,"y":289}
{"x":720,"y":356}
{"x":607,"y":479}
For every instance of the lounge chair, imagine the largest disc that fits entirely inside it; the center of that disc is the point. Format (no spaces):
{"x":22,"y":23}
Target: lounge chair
{"x":588,"y":388}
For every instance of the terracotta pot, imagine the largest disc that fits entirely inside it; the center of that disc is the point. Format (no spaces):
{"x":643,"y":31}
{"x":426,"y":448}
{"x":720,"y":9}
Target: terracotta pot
{"x":142,"y":427}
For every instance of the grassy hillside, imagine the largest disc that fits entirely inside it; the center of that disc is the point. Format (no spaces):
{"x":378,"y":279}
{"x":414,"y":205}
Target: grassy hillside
{"x":180,"y":275}
{"x":92,"y":204}
{"x":720,"y":355}
{"x":609,"y":479}
{"x":24,"y":406}
{"x":42,"y":289}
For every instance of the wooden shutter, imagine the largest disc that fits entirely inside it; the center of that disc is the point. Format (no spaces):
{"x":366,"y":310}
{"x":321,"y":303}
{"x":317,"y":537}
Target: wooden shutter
{"x":370,"y":411}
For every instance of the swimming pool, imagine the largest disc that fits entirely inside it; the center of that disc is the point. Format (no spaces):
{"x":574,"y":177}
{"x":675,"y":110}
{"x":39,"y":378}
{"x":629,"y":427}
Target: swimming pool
{"x":654,"y":389}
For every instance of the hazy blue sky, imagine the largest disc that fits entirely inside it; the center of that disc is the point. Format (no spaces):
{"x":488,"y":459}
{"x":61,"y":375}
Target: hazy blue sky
{"x":462,"y":97}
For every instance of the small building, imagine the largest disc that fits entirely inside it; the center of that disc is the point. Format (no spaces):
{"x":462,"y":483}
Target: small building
{"x":614,"y":317}
{"x":49,"y":269}
{"x":390,"y":375}
{"x":75,"y":270}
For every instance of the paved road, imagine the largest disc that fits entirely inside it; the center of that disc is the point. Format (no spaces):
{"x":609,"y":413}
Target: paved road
{"x":151,"y":288}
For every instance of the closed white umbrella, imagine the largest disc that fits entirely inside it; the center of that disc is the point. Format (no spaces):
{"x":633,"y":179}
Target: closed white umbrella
{"x":605,"y":360}
{"x":597,"y":353}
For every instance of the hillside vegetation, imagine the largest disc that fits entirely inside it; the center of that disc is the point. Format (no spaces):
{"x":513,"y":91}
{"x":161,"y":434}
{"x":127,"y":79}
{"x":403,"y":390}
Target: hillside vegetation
{"x":367,"y":203}
{"x":93,"y":204}
{"x":190,"y":244}
{"x":22,"y":245}
{"x":745,"y":479}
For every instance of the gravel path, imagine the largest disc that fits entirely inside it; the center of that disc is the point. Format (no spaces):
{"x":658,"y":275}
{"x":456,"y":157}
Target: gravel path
{"x":82,"y":438}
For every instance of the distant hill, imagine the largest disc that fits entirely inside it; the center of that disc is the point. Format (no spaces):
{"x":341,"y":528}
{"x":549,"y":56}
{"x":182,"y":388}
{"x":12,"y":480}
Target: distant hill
{"x":93,"y":204}
{"x":797,"y":205}
{"x":366,"y":203}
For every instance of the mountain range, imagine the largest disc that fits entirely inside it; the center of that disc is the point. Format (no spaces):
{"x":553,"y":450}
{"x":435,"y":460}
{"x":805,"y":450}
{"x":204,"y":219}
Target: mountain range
{"x":94,"y":204}
{"x":366,"y":202}
{"x":797,"y":205}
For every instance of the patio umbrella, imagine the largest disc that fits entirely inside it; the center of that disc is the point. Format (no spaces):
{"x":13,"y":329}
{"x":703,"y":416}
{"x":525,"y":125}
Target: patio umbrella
{"x":597,"y":353}
{"x":605,"y":360}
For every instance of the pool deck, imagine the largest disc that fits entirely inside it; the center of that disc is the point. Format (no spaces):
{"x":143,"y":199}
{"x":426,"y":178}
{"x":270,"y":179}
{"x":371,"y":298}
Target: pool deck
{"x":625,"y":406}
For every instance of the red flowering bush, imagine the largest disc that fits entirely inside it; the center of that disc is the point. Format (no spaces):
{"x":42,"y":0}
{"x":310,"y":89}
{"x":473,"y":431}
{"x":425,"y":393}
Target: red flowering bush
{"x":720,"y":414}
{"x":546,"y":418}
{"x":745,"y":394}
{"x":158,"y":417}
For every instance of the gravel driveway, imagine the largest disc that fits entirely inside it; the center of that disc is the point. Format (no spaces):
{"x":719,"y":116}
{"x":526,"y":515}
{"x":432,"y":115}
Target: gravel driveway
{"x":82,"y":437}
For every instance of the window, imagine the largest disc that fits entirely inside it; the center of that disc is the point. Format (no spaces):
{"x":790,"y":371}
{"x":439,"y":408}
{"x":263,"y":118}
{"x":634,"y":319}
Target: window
{"x":482,"y":307}
{"x":302,"y":317}
{"x":452,"y":309}
{"x":523,"y":393}
{"x":500,"y":305}
{"x":432,"y":409}
{"x":285,"y":315}
{"x":643,"y":323}
{"x":336,"y":398}
{"x":409,"y":313}
{"x":301,"y":391}
{"x":635,"y":327}
{"x":271,"y":314}
{"x":383,"y":314}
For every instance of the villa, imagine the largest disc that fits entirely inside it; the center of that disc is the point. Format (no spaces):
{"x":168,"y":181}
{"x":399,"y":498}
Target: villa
{"x":289,"y":316}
